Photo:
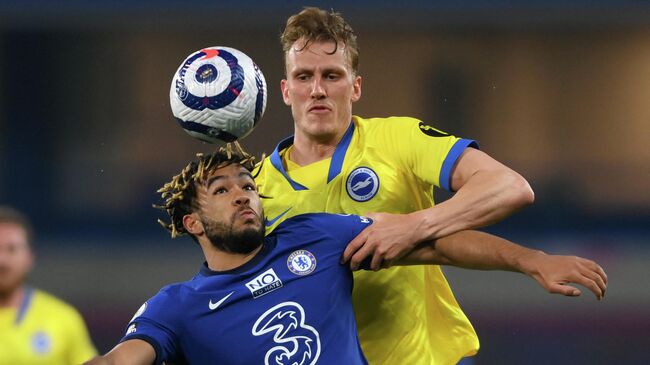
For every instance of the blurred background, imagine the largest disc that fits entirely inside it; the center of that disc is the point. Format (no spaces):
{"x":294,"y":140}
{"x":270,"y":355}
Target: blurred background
{"x":557,"y":90}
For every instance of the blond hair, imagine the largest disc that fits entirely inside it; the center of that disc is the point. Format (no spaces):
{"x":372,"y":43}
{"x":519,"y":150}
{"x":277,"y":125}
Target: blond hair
{"x":317,"y":25}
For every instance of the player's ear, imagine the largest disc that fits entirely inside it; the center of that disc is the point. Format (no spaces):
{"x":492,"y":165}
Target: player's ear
{"x":193,"y":224}
{"x":356,"y":88}
{"x":285,"y":92}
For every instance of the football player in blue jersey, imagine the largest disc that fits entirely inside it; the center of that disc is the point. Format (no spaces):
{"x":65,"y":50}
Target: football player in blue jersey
{"x":284,"y":298}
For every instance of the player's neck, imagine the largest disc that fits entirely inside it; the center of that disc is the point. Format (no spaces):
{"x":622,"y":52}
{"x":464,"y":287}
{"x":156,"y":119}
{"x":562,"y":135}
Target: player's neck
{"x":223,"y":261}
{"x":307,"y":150}
{"x":12,"y":298}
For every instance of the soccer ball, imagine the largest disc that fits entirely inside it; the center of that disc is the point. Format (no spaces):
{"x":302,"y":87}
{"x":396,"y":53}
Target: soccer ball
{"x":218,"y":94}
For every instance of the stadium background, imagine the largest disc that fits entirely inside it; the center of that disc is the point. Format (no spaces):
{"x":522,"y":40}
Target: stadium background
{"x":558,"y":90}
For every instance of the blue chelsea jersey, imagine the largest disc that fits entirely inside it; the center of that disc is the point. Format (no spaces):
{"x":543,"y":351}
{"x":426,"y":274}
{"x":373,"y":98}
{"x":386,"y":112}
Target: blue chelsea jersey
{"x":290,"y":304}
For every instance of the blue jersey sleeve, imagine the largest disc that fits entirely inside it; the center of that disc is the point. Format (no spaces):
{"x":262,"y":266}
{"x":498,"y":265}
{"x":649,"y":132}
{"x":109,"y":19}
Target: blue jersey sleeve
{"x":154,"y":323}
{"x":344,"y":228}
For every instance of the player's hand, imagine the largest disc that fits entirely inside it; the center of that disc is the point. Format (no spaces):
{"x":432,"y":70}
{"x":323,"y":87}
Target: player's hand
{"x":555,"y":272}
{"x":390,"y":237}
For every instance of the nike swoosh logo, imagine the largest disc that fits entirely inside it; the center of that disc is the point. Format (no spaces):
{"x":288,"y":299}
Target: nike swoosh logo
{"x":214,"y":306}
{"x":270,"y":222}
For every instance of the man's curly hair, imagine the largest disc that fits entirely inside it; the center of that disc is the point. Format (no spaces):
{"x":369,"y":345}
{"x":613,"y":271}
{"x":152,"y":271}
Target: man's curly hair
{"x":179,"y":195}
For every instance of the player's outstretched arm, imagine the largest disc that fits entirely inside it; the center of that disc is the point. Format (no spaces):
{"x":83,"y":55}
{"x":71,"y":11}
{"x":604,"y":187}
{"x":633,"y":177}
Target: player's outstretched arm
{"x":483,"y":251}
{"x":130,"y":352}
{"x":487,"y":191}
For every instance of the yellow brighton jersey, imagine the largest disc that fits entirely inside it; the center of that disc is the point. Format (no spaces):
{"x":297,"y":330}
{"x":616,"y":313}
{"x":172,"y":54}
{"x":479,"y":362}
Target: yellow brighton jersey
{"x":43,"y":331}
{"x":405,"y":315}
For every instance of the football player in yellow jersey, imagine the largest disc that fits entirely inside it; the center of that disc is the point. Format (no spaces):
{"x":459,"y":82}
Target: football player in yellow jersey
{"x":35,"y":327}
{"x":340,"y":163}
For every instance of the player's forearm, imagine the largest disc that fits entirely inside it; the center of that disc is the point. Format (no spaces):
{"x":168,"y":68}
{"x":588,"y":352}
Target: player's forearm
{"x":473,"y":250}
{"x":481,"y":251}
{"x":99,"y":360}
{"x":130,"y":352}
{"x":120,"y":359}
{"x":487,"y":197}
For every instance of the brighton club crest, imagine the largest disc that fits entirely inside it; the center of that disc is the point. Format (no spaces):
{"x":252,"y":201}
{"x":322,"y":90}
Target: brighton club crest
{"x":362,"y":184}
{"x":301,"y":262}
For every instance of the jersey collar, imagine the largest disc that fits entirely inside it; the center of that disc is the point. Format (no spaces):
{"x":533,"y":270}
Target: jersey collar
{"x":28,"y":293}
{"x":267,"y":247}
{"x":335,"y":165}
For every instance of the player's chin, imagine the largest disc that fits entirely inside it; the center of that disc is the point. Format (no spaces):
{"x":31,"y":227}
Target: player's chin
{"x":249,"y":223}
{"x":8,"y":286}
{"x":250,"y":233}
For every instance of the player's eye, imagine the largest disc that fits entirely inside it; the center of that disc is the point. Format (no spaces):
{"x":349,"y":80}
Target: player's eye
{"x":302,"y":77}
{"x":220,"y":191}
{"x":249,"y":187}
{"x":332,"y":76}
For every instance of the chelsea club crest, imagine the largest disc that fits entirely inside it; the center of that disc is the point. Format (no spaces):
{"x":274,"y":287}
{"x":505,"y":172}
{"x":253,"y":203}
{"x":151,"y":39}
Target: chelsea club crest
{"x":301,"y":262}
{"x":362,"y":184}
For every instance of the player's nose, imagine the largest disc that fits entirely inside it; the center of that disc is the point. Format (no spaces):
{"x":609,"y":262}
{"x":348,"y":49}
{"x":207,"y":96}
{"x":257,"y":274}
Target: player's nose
{"x":241,"y":199}
{"x":317,"y":90}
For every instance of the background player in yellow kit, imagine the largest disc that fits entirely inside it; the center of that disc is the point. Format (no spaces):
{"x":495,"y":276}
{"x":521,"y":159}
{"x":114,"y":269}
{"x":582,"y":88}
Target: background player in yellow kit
{"x":35,"y":327}
{"x":340,"y":163}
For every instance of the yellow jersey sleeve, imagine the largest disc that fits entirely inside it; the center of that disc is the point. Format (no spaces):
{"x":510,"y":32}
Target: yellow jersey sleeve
{"x":80,"y":347}
{"x":426,"y":152}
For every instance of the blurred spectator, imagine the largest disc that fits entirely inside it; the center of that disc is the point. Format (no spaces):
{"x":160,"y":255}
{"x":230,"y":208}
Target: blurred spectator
{"x":35,"y":327}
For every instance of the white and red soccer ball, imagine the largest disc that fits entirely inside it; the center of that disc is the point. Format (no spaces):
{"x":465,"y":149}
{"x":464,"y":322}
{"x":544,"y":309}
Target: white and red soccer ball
{"x":218,"y":94}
